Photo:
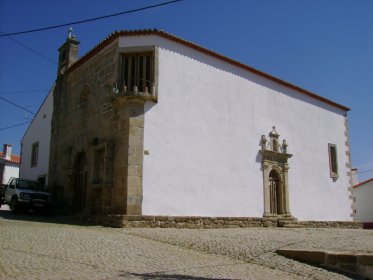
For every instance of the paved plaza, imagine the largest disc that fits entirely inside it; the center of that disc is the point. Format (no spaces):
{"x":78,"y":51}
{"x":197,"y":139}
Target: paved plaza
{"x":35,"y":247}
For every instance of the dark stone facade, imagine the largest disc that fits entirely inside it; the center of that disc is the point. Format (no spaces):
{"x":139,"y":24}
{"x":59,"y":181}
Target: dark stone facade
{"x":97,"y":136}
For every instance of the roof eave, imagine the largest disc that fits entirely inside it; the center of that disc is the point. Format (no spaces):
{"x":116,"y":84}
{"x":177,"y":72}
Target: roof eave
{"x":115,"y":35}
{"x":362,"y":183}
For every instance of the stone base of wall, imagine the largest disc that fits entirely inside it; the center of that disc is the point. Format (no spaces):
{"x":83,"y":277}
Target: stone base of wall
{"x":123,"y":221}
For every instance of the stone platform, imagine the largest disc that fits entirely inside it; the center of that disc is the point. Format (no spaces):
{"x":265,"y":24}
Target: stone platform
{"x":194,"y":222}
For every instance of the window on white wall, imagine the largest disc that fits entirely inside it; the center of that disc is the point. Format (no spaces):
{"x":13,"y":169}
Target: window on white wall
{"x":333,"y":161}
{"x":34,"y":154}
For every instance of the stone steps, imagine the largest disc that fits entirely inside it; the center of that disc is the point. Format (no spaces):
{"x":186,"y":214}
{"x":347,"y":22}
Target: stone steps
{"x":360,"y":264}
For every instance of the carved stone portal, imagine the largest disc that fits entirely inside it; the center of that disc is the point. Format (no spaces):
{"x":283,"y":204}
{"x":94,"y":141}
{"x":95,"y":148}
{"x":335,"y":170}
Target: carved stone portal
{"x":275,"y":176}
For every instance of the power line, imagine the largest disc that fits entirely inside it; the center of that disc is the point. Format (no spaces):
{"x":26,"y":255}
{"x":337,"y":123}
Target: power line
{"x":14,"y":104}
{"x":365,"y":171}
{"x":30,"y":49}
{"x":15,"y":125}
{"x":91,"y":19}
{"x":22,"y":92}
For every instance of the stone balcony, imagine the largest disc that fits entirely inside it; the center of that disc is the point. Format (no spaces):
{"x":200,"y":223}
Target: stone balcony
{"x":125,"y":94}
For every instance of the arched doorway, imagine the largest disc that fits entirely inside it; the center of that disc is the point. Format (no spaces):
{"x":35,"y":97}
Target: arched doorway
{"x":80,"y":184}
{"x":275,"y":169}
{"x":275,"y":193}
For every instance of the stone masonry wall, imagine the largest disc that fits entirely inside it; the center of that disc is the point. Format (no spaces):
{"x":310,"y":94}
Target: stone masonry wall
{"x":194,"y":222}
{"x":88,"y":120}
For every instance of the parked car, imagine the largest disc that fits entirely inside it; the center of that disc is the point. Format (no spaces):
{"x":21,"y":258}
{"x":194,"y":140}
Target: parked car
{"x":26,"y":194}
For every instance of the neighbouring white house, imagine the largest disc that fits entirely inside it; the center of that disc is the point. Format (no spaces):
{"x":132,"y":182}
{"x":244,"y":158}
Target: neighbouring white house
{"x":147,"y":123}
{"x":9,"y":164}
{"x":35,"y":143}
{"x":362,"y":194}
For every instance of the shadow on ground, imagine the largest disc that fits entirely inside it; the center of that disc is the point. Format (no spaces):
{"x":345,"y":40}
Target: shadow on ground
{"x":42,"y":217}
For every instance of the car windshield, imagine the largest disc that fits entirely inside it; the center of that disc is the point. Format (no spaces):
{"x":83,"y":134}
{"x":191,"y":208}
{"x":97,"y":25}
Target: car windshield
{"x":31,"y":185}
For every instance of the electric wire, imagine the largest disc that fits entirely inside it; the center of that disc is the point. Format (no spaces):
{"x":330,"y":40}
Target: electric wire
{"x":30,"y":49}
{"x":91,"y":19}
{"x":14,"y":104}
{"x":22,"y":92}
{"x":67,"y":24}
{"x":15,"y":125}
{"x":365,"y":171}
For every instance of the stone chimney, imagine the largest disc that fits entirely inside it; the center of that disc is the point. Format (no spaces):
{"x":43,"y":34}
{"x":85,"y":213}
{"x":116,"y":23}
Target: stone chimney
{"x":68,"y":52}
{"x":7,"y":151}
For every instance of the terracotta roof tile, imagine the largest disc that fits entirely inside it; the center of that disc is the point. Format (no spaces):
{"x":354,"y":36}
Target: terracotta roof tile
{"x":13,"y":158}
{"x":362,"y":183}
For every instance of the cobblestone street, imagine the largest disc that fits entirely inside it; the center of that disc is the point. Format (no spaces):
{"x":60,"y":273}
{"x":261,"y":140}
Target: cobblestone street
{"x":34,"y":247}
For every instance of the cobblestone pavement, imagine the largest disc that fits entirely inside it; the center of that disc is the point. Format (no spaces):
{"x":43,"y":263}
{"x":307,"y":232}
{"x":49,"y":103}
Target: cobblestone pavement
{"x":258,"y":245}
{"x":33,"y":247}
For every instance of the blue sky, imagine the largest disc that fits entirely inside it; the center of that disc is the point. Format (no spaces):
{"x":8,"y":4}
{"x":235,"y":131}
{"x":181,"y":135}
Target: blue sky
{"x":323,"y":46}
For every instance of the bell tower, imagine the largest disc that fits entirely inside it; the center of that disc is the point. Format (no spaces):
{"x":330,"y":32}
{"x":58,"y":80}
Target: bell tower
{"x":68,"y":53}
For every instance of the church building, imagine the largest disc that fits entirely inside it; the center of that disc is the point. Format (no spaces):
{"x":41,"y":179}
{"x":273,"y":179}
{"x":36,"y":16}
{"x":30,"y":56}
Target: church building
{"x":147,"y":123}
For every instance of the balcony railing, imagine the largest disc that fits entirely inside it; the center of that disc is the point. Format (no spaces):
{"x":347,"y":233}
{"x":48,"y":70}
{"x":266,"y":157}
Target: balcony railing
{"x":136,"y":87}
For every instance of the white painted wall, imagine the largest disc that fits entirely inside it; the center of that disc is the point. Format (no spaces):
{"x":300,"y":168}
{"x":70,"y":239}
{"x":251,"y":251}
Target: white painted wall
{"x":203,"y":138}
{"x":363,"y":202}
{"x":10,"y":170}
{"x":38,"y":131}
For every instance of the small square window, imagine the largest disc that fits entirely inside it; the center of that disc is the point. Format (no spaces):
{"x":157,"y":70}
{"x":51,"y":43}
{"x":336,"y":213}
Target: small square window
{"x":333,"y":161}
{"x":34,"y":154}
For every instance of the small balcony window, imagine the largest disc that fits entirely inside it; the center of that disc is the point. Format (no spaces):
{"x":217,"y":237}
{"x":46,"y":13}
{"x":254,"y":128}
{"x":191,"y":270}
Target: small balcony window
{"x":137,"y":73}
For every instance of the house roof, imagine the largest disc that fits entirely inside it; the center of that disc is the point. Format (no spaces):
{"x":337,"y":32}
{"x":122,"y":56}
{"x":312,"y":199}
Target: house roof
{"x":13,"y":158}
{"x":128,"y":33}
{"x":363,"y":183}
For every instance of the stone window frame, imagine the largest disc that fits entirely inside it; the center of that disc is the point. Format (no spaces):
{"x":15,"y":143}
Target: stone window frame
{"x":154,"y":50}
{"x":333,"y":161}
{"x":34,"y":154}
{"x":107,"y":150}
{"x":275,"y":160}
